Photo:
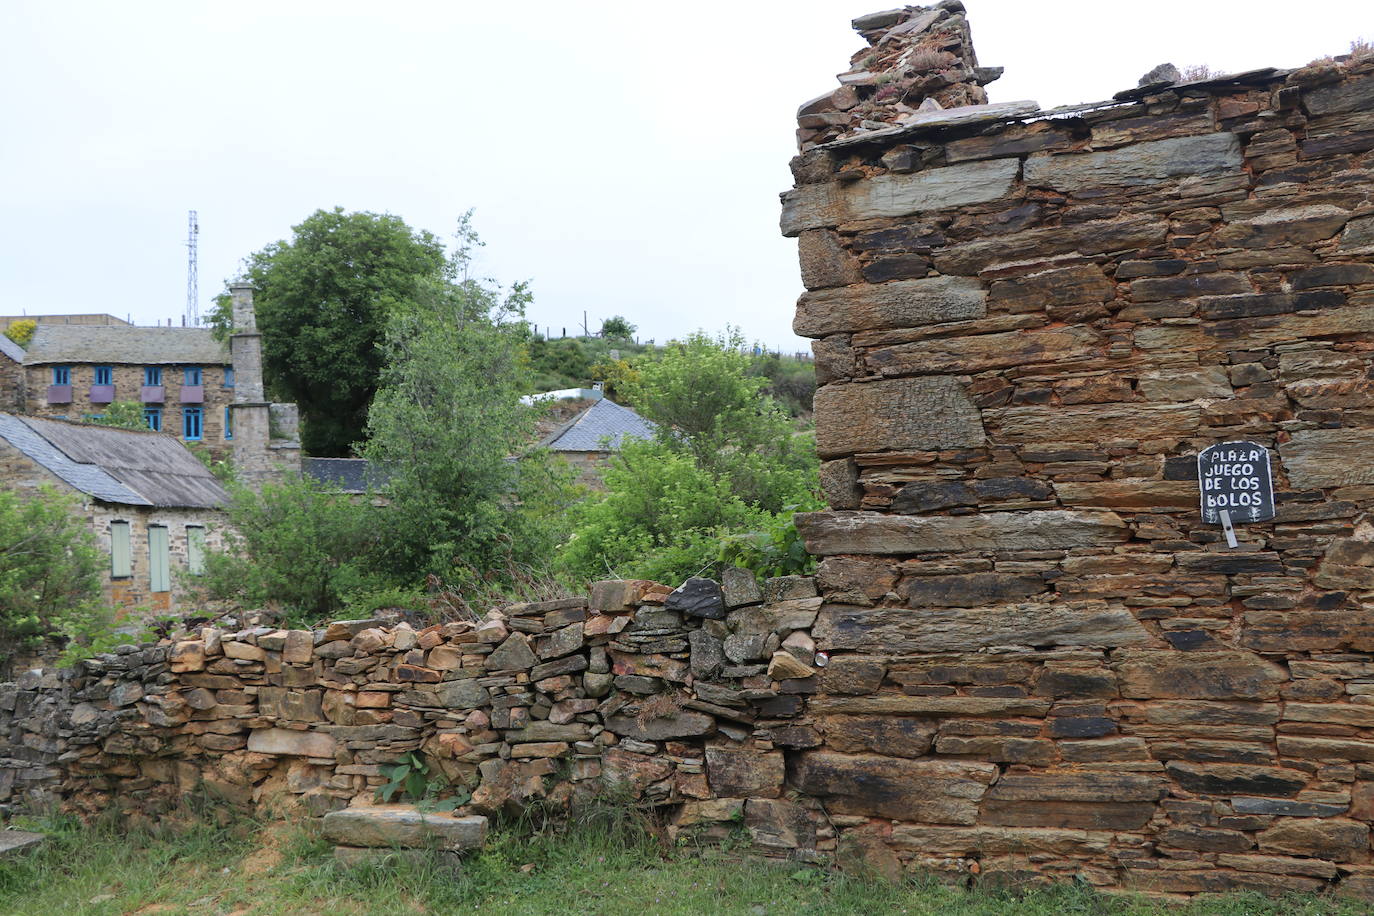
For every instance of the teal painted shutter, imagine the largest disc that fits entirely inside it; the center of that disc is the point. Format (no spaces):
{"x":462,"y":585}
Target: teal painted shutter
{"x":159,"y":580}
{"x":121,"y":565}
{"x":195,"y":550}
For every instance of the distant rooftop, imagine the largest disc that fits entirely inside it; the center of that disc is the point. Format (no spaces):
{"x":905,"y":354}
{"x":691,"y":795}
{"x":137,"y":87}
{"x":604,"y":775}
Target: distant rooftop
{"x":75,"y":343}
{"x":346,"y":475}
{"x":602,"y":427}
{"x":86,"y":318}
{"x":11,"y":349}
{"x":116,"y":465}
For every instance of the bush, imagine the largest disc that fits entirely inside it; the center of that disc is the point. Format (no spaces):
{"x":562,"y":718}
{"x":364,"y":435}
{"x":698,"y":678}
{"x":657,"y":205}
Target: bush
{"x":50,"y":572}
{"x":297,"y":546}
{"x":21,"y":331}
{"x":724,"y":461}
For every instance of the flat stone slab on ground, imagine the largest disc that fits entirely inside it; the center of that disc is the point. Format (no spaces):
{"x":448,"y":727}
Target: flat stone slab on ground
{"x":13,"y":842}
{"x":403,"y":826}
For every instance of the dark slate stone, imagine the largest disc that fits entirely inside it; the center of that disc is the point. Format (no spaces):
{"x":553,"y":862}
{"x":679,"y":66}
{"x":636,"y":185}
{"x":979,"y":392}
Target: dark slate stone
{"x":999,"y":488}
{"x":1232,"y":779}
{"x":1333,"y":275}
{"x":898,"y":267}
{"x":931,"y":496}
{"x":1284,"y":807}
{"x":1081,"y":727}
{"x":698,"y":597}
{"x":1252,"y":305}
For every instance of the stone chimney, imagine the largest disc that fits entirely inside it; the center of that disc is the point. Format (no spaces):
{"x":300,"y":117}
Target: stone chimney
{"x":258,"y":456}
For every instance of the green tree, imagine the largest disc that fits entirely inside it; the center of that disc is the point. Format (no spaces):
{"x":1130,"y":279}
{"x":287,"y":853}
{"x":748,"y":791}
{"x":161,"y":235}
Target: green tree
{"x":21,"y":331}
{"x":724,"y":461}
{"x":49,"y":571}
{"x":122,"y":415}
{"x":296,"y":545}
{"x":324,"y":299}
{"x":445,"y":423}
{"x":617,"y":328}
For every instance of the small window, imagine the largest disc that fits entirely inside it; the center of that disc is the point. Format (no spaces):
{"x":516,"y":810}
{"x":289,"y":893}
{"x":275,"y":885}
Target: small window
{"x":61,"y":375}
{"x":195,"y":550}
{"x":159,"y":578}
{"x":228,"y":423}
{"x":104,"y":375}
{"x":191,"y":423}
{"x":228,"y":378}
{"x":191,"y":375}
{"x":152,"y":376}
{"x":153,"y":417}
{"x":121,"y":566}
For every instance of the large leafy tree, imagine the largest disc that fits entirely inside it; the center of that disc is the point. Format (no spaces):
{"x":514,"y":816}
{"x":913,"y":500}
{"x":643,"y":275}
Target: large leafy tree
{"x":444,"y":427}
{"x":724,"y":461}
{"x":324,"y":299}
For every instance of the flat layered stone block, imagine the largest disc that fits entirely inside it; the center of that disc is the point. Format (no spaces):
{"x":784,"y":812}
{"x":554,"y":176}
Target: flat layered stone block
{"x":1329,"y":457}
{"x":1094,"y":801}
{"x":819,"y":206}
{"x":1158,"y":673}
{"x":831,"y":533}
{"x":1095,"y":237}
{"x":898,"y":304}
{"x":901,"y":705}
{"x":934,"y":791}
{"x":288,"y":742}
{"x":1142,"y":163}
{"x":909,"y":413}
{"x":1086,"y":422}
{"x":981,"y":352}
{"x":1227,"y":335}
{"x":403,"y":826}
{"x":907,"y":631}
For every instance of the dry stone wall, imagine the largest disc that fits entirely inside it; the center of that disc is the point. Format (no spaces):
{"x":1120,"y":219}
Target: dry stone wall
{"x":1027,"y":324}
{"x":689,"y":698}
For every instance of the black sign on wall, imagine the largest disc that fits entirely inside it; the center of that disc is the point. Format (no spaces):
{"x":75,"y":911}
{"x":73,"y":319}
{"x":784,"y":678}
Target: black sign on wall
{"x":1235,"y":483}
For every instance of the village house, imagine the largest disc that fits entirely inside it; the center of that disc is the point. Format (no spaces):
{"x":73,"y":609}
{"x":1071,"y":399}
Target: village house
{"x":11,"y":375}
{"x":190,"y":384}
{"x":584,"y":428}
{"x":154,"y":507}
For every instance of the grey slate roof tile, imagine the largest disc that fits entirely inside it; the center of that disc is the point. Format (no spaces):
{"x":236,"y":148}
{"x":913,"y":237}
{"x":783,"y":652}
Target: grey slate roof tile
{"x":11,"y":349}
{"x":116,"y":465}
{"x":602,"y":427}
{"x":80,"y":343}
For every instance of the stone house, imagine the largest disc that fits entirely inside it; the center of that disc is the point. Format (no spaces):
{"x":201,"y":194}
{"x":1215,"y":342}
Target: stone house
{"x":191,"y":385}
{"x":11,"y":375}
{"x":154,"y":507}
{"x":593,"y":433}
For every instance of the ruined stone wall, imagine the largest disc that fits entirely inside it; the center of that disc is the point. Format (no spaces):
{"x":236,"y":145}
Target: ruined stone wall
{"x":689,"y":698}
{"x":1027,"y":324}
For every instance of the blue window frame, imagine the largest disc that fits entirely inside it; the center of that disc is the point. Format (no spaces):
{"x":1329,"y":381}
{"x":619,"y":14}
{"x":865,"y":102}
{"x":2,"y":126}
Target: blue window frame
{"x":152,"y":376}
{"x":191,"y":424}
{"x":228,"y":378}
{"x":228,"y":423}
{"x":61,"y":375}
{"x":104,"y":375}
{"x":190,"y":375}
{"x":153,"y":417}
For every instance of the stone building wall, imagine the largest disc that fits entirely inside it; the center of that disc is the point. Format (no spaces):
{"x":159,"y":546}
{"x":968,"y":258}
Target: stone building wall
{"x":128,"y":379}
{"x":689,"y":698}
{"x":1027,"y":324}
{"x":130,"y":594}
{"x":11,"y":385}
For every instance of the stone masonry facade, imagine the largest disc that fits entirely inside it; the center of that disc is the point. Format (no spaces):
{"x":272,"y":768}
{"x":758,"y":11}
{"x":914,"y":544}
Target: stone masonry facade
{"x":1027,"y":324}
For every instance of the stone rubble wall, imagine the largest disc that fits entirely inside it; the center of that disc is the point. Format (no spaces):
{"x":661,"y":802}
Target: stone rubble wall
{"x":917,"y":60}
{"x":1027,"y":324}
{"x":688,"y":698}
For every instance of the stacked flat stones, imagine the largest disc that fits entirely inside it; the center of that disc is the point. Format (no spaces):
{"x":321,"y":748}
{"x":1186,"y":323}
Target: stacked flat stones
{"x":1027,"y":324}
{"x":917,"y":59}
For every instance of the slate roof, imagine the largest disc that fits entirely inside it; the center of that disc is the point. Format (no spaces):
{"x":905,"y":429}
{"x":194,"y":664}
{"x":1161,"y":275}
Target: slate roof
{"x":600,"y":428}
{"x":347,"y":475}
{"x":116,"y":465}
{"x":11,"y":349}
{"x":83,"y":343}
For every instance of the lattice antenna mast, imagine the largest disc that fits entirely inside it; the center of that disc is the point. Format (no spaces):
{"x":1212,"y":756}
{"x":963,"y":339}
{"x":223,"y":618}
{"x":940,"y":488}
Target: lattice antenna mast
{"x":192,"y":274}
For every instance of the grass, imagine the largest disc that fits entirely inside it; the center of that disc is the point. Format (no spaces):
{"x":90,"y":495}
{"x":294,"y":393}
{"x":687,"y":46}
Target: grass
{"x":595,"y":866}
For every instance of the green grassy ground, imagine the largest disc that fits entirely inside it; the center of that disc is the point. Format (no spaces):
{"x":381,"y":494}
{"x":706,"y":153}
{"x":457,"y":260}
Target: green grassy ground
{"x":244,"y":868}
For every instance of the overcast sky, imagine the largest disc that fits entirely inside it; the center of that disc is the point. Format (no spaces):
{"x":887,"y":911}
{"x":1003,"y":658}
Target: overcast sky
{"x":625,"y":157}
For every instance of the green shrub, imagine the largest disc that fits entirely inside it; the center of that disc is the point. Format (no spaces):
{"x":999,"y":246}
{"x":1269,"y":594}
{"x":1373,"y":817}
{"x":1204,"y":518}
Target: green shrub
{"x":50,"y":573}
{"x":21,"y":331}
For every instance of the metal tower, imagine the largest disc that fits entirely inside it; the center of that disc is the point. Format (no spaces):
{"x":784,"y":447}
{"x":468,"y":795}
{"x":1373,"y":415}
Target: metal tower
{"x":192,"y":278}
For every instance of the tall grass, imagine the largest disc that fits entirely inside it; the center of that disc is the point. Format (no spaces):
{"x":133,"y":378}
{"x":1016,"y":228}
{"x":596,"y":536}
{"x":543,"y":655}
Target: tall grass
{"x":604,"y":859}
